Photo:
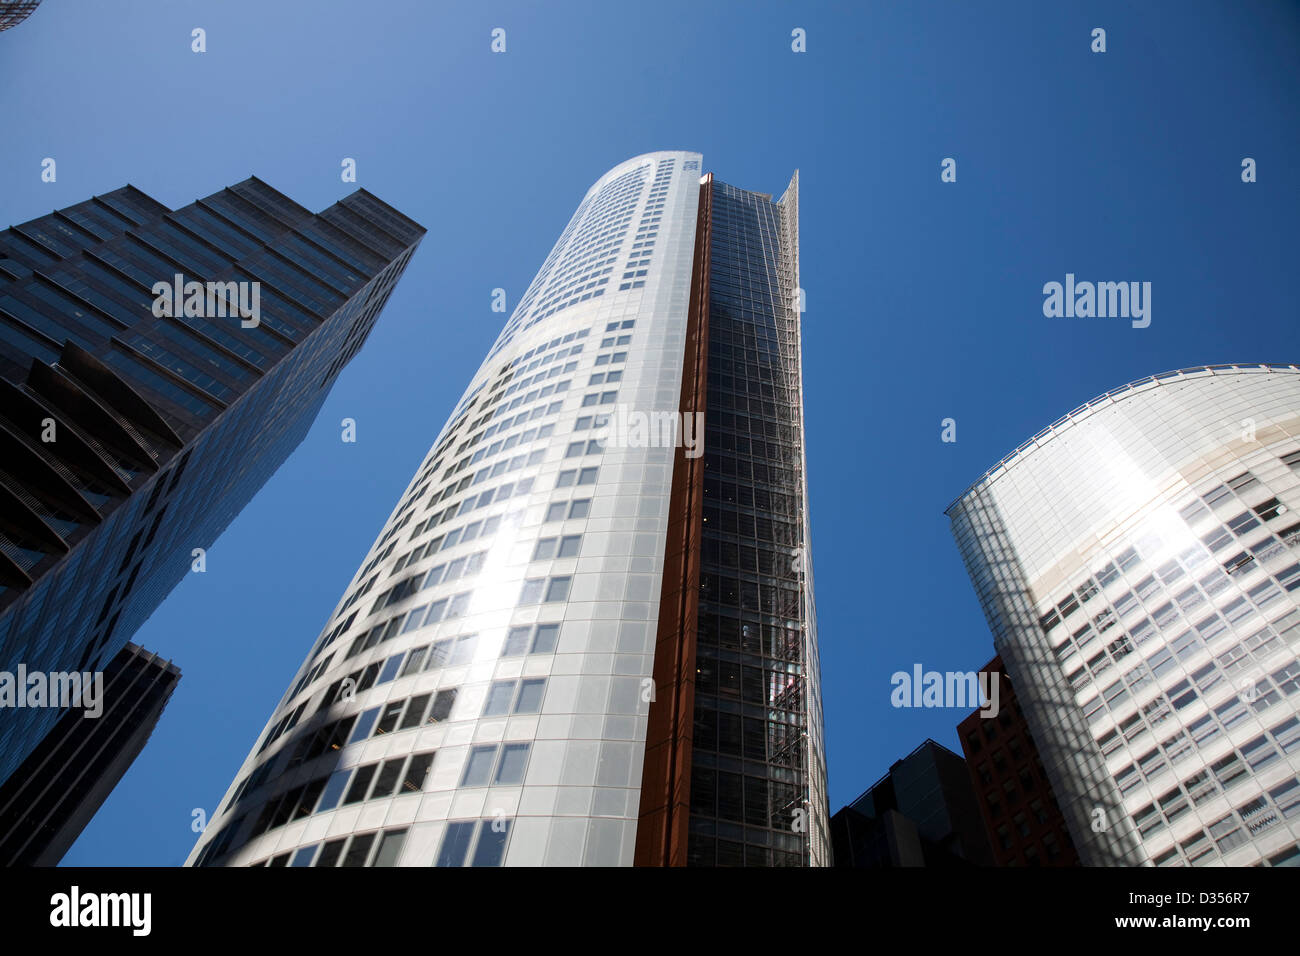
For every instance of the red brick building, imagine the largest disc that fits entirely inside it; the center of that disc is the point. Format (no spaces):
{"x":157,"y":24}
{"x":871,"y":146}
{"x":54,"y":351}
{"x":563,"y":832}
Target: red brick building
{"x":1024,"y":822}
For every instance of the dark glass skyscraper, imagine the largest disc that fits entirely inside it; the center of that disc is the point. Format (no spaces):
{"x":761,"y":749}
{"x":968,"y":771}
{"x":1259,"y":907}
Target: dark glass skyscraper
{"x":14,"y":12}
{"x":756,"y":760}
{"x":923,"y":812}
{"x":586,"y":635}
{"x":156,"y":367}
{"x":58,"y":789}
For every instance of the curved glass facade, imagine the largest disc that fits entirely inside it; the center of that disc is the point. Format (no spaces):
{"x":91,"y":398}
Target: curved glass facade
{"x":1137,"y":564}
{"x":480,"y":695}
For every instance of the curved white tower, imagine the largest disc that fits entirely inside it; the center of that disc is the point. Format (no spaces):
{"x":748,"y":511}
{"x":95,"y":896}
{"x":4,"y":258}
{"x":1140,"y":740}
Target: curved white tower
{"x":1137,"y":564}
{"x":484,"y":691}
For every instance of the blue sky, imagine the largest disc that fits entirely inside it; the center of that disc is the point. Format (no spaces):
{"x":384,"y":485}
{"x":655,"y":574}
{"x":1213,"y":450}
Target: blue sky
{"x":924,"y":298}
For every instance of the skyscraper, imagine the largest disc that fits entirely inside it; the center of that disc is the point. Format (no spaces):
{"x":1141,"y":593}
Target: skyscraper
{"x":1137,"y":564}
{"x":59,"y":788}
{"x":923,"y":812}
{"x":14,"y":12}
{"x":584,"y":636}
{"x":156,"y":367}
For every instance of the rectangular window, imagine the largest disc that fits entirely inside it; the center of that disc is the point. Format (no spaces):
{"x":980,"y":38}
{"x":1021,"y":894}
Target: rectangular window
{"x":516,"y":642}
{"x":491,"y":847}
{"x":546,"y":638}
{"x":388,"y":778}
{"x":442,"y":705}
{"x":478,"y":768}
{"x":414,"y":713}
{"x":391,"y":715}
{"x":510,"y":770}
{"x":416,"y":773}
{"x":360,"y":784}
{"x":530,"y":696}
{"x":330,"y":798}
{"x":330,"y":852}
{"x":499,"y":697}
{"x":390,"y":847}
{"x":358,"y":850}
{"x":455,"y":844}
{"x":557,"y":589}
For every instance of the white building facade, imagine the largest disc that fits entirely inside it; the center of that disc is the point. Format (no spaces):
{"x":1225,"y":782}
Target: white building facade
{"x":1137,"y":562}
{"x":480,"y":696}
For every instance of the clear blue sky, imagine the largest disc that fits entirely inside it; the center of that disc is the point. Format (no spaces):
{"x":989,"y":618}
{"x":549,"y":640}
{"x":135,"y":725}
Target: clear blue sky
{"x":924,"y":298}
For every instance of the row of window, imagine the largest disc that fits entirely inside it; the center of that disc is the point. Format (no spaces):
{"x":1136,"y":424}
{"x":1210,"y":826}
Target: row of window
{"x":1263,"y":644}
{"x":484,"y":528}
{"x":517,"y":384}
{"x":473,"y":503}
{"x":1235,"y":828}
{"x":358,"y":849}
{"x":465,"y":566}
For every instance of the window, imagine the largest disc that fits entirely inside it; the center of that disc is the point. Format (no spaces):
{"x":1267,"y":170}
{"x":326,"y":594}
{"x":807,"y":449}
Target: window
{"x":569,"y":545}
{"x":1039,"y":811}
{"x":510,"y":769}
{"x":304,"y":855}
{"x":580,"y":508}
{"x":546,"y":638}
{"x":360,"y":784}
{"x":482,"y":843}
{"x":557,"y":589}
{"x":519,"y":697}
{"x":1227,"y":833}
{"x":391,"y":714}
{"x":333,"y":790}
{"x":516,"y":642}
{"x":390,"y":847}
{"x":555,"y":511}
{"x":527,"y":640}
{"x":455,"y":844}
{"x":416,"y":773}
{"x":495,"y":765}
{"x":389,"y":775}
{"x":414,"y":713}
{"x":463,"y":649}
{"x":414,"y":660}
{"x":499,"y":698}
{"x":1004,"y":837}
{"x":442,"y":705}
{"x":358,"y":850}
{"x":530,"y":696}
{"x":1229,"y":770}
{"x":330,"y":853}
{"x":478,"y":768}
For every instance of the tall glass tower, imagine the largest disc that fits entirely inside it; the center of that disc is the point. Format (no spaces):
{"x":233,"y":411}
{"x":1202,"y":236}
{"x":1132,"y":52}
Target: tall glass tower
{"x":14,"y":12}
{"x":156,"y":367}
{"x":586,"y":634}
{"x":1137,"y":564}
